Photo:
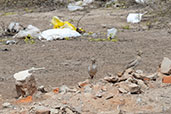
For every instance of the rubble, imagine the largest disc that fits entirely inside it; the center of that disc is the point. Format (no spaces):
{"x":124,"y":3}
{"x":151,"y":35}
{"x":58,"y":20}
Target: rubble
{"x":25,"y":83}
{"x":165,"y":66}
{"x":14,"y":27}
{"x":41,"y":110}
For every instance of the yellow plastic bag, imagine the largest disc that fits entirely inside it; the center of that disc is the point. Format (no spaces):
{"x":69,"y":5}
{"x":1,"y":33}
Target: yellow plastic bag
{"x":57,"y":23}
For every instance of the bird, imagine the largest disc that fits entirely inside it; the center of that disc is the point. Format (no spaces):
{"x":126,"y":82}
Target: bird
{"x":136,"y":61}
{"x":92,"y":69}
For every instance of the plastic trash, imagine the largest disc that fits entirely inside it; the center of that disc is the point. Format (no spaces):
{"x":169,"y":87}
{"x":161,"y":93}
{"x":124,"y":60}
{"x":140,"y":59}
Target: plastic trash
{"x":14,"y":27}
{"x":86,"y":2}
{"x":111,"y":33}
{"x":10,"y":42}
{"x":73,"y":7}
{"x":57,"y":23}
{"x":30,"y":30}
{"x":140,"y":1}
{"x":58,"y":34}
{"x":134,"y":17}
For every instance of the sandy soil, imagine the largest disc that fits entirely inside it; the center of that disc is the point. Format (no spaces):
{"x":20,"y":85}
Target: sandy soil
{"x":66,"y":61}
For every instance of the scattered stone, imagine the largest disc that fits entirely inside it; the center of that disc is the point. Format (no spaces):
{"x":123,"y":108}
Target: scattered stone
{"x":6,"y":105}
{"x":142,"y":84}
{"x":109,"y":96}
{"x":54,"y":111}
{"x":152,"y":76}
{"x":111,"y":78}
{"x":68,"y":110}
{"x":84,"y":83}
{"x":134,"y":88}
{"x":42,"y":110}
{"x":122,"y":90}
{"x":166,"y":66}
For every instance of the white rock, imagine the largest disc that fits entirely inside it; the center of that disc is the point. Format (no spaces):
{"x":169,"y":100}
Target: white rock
{"x":87,"y":2}
{"x":54,"y":34}
{"x":14,"y":27}
{"x":166,"y":66}
{"x":134,"y":17}
{"x":111,"y":33}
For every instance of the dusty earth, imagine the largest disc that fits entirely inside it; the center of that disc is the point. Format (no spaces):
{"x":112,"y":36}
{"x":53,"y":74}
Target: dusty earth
{"x":66,"y":61}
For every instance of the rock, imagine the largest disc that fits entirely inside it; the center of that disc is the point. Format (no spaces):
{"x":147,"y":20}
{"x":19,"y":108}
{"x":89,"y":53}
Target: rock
{"x":6,"y":105}
{"x":122,"y":90}
{"x":166,"y":66}
{"x":134,"y":88}
{"x":109,"y":96}
{"x":25,"y":83}
{"x":84,"y":83}
{"x":138,"y":75}
{"x":111,"y":78}
{"x":142,"y":84}
{"x":54,"y":111}
{"x":68,"y":110}
{"x":152,"y":76}
{"x":42,"y":110}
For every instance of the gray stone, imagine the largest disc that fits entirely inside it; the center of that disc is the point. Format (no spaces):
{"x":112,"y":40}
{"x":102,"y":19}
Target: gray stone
{"x":166,"y":66}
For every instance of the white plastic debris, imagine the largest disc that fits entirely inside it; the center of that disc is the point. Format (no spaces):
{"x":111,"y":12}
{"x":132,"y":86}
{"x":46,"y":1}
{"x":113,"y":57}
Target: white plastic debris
{"x":22,"y":75}
{"x":86,"y":2}
{"x":14,"y":27}
{"x":134,"y":17}
{"x":111,"y":33}
{"x":140,"y":1}
{"x":58,"y":34}
{"x":73,"y":7}
{"x":30,"y":30}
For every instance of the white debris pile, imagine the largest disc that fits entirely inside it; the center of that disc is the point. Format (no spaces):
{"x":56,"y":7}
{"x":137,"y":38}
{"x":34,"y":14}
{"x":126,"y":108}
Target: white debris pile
{"x":79,"y":5}
{"x":58,"y":34}
{"x":134,"y":17}
{"x":30,"y":30}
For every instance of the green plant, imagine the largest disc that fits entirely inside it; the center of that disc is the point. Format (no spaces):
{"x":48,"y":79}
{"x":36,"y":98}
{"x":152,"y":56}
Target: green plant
{"x":29,"y":39}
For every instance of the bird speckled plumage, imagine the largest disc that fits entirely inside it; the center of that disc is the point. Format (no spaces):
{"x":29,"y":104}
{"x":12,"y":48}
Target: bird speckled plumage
{"x":92,"y":69}
{"x":135,"y":62}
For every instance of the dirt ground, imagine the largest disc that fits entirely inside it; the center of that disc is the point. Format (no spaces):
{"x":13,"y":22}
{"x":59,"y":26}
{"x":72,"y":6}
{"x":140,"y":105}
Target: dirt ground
{"x":66,"y":61}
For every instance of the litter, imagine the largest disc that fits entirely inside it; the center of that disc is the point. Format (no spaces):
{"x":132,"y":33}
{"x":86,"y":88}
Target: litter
{"x":111,"y":33}
{"x":134,"y":17}
{"x":58,"y":34}
{"x":73,"y":7}
{"x":30,"y":30}
{"x":57,"y":23}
